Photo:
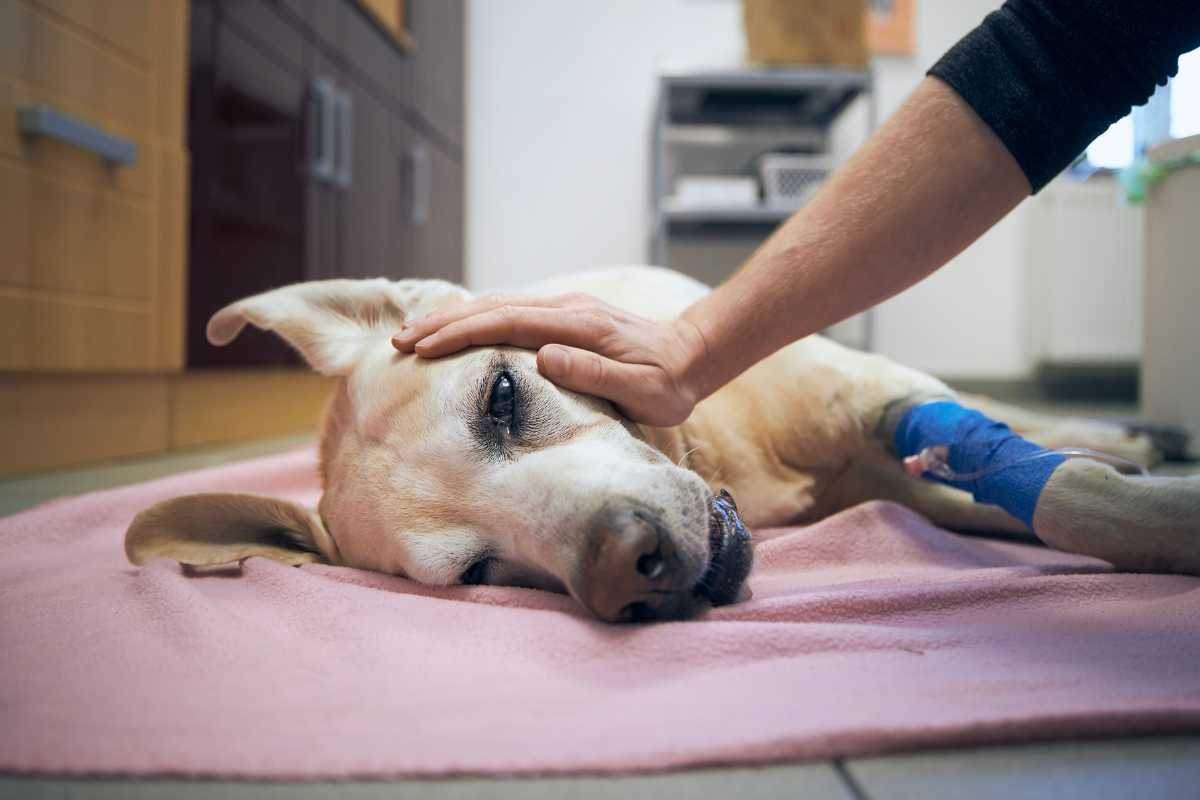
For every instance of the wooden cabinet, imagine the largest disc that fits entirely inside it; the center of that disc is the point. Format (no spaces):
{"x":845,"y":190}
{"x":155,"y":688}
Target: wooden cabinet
{"x":333,"y":152}
{"x":109,"y":271}
{"x":91,"y":254}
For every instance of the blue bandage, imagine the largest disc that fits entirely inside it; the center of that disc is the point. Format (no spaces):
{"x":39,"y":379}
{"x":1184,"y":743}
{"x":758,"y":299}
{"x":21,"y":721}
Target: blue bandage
{"x":977,"y":443}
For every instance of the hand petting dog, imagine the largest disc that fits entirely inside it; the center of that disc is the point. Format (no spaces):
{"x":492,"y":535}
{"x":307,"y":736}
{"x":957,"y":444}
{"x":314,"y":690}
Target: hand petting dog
{"x":646,"y":367}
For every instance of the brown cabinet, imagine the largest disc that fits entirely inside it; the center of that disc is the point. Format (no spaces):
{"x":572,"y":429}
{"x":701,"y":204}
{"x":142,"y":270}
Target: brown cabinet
{"x":438,"y":28}
{"x":275,"y":141}
{"x":322,"y":149}
{"x":91,"y":255}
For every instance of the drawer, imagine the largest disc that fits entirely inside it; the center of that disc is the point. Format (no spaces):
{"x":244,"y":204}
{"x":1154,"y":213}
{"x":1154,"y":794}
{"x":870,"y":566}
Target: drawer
{"x":88,"y":240}
{"x":123,"y":25}
{"x":86,"y":335}
{"x":93,"y":256}
{"x":14,"y":332}
{"x":60,"y":53}
{"x":51,"y":156}
{"x":15,"y":243}
{"x":73,"y":66}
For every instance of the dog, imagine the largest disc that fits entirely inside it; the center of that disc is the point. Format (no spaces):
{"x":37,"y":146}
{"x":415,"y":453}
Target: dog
{"x":473,"y":469}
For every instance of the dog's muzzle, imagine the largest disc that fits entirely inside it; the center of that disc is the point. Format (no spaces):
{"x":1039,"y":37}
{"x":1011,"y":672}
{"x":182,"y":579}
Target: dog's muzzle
{"x":633,"y":571}
{"x":730,"y":552}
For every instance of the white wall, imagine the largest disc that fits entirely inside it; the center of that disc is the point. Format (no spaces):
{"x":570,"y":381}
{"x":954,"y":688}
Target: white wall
{"x":558,"y":113}
{"x":970,"y":319}
{"x":559,"y":102}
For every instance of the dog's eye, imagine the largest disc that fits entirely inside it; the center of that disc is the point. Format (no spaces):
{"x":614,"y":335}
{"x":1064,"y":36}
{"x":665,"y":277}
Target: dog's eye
{"x":503,"y":400}
{"x":476,"y":574}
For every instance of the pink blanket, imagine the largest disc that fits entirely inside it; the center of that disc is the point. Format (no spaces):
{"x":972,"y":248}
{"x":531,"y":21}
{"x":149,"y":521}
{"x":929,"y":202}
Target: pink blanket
{"x":870,"y":632}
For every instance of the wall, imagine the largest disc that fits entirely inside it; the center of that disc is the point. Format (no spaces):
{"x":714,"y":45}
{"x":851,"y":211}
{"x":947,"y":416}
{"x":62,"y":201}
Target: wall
{"x":969,"y":319}
{"x":559,"y":105}
{"x":559,"y":102}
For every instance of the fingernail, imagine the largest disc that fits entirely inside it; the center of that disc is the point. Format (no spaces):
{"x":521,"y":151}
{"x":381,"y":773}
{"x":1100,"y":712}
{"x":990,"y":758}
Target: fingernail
{"x":555,"y":359}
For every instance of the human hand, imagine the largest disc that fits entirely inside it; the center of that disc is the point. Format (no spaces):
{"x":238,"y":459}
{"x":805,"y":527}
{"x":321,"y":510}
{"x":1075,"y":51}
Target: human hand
{"x":646,"y":367}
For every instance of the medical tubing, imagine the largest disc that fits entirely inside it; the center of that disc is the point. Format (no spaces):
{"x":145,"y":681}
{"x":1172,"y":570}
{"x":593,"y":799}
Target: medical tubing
{"x":936,"y":464}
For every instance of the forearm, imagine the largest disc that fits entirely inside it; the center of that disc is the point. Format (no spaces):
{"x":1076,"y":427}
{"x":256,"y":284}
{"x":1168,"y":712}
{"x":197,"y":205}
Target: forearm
{"x":926,"y":185}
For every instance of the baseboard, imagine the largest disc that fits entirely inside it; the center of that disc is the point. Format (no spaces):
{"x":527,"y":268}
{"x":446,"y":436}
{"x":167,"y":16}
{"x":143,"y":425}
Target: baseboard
{"x":58,"y":421}
{"x":1093,"y":382}
{"x":1090,"y":383}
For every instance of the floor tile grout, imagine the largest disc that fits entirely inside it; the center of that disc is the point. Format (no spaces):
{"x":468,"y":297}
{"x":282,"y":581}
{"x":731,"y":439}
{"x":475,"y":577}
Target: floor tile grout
{"x":848,"y":780}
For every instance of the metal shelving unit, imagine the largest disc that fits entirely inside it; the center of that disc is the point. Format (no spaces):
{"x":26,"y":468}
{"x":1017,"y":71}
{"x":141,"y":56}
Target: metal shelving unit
{"x":718,"y":123}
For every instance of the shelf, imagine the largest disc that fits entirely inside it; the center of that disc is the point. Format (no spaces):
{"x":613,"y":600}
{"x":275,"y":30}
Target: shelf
{"x":716,"y":122}
{"x":765,"y":137}
{"x":748,"y":216}
{"x":754,"y":78}
{"x":748,"y":97}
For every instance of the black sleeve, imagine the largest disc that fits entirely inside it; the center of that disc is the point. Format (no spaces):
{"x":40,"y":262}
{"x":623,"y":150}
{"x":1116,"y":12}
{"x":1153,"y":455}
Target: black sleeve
{"x":1049,"y":76}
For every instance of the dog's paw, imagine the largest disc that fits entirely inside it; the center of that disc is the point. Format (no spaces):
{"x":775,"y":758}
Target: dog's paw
{"x":1139,"y":523}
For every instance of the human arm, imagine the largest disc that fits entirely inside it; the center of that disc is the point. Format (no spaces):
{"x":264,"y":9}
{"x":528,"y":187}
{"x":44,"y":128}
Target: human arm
{"x":1031,"y":86}
{"x":931,"y":180}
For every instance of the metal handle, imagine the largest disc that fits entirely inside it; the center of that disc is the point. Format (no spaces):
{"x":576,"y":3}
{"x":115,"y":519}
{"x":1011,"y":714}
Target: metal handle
{"x":50,"y":122}
{"x":344,"y":108}
{"x":321,"y":127}
{"x":422,"y":183}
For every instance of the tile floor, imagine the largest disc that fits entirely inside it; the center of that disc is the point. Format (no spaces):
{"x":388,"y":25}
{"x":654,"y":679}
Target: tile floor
{"x":1147,"y":769}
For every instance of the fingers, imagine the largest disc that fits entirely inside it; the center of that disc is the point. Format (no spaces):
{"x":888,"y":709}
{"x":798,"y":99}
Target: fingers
{"x":642,"y":392}
{"x":406,"y":340}
{"x":529,"y":327}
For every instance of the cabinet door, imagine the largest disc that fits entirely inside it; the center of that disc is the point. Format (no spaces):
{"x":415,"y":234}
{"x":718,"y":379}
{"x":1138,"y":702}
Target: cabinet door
{"x":376,"y":61}
{"x":436,"y":213}
{"x":92,"y":262}
{"x":323,"y":212}
{"x":246,"y":128}
{"x":370,"y":192}
{"x":438,"y":27}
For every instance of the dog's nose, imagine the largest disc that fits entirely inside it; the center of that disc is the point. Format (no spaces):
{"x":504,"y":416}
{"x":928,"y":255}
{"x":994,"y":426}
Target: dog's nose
{"x":630,"y":566}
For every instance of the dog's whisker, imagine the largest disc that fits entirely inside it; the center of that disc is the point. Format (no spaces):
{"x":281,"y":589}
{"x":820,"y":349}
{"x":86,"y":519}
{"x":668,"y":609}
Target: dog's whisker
{"x":684,"y":457}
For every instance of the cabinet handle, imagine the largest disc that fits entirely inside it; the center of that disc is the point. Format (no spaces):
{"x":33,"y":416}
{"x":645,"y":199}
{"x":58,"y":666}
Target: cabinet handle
{"x":54,"y":124}
{"x":344,"y":107}
{"x":422,"y":183}
{"x":321,"y":129}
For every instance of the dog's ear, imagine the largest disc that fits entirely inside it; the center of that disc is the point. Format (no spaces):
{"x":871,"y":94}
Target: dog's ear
{"x":330,"y":322}
{"x":208,"y":529}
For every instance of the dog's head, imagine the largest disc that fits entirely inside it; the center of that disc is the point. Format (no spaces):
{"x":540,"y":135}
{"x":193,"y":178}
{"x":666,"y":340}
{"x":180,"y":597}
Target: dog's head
{"x":468,"y":469}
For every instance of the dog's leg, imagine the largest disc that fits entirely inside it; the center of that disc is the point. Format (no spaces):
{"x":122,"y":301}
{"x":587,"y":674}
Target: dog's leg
{"x":1078,"y":505}
{"x":1141,"y":524}
{"x":1053,"y":432}
{"x":944,"y":505}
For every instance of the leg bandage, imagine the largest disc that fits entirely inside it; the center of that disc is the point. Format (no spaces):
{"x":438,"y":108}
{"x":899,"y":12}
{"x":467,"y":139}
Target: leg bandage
{"x":984,"y":457}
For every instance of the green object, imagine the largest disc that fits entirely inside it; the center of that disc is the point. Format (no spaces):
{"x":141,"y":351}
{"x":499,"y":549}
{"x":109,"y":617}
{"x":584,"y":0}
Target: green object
{"x":1143,"y":174}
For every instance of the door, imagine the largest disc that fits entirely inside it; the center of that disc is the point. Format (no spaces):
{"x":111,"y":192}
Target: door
{"x":438,"y":27}
{"x":248,"y":233}
{"x":436,"y":210}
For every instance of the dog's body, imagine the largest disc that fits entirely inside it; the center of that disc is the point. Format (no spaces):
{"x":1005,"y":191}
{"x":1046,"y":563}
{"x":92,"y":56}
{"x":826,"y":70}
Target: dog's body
{"x":475,"y":469}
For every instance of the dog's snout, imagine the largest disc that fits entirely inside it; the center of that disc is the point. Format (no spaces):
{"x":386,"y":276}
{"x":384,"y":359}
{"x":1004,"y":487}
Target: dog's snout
{"x":631,"y":570}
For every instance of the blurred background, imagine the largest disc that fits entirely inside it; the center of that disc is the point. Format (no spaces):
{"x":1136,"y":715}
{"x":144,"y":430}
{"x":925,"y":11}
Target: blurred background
{"x":160,"y":158}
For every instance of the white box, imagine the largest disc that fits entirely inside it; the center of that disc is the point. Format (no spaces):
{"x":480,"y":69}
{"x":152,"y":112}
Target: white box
{"x":715,"y":191}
